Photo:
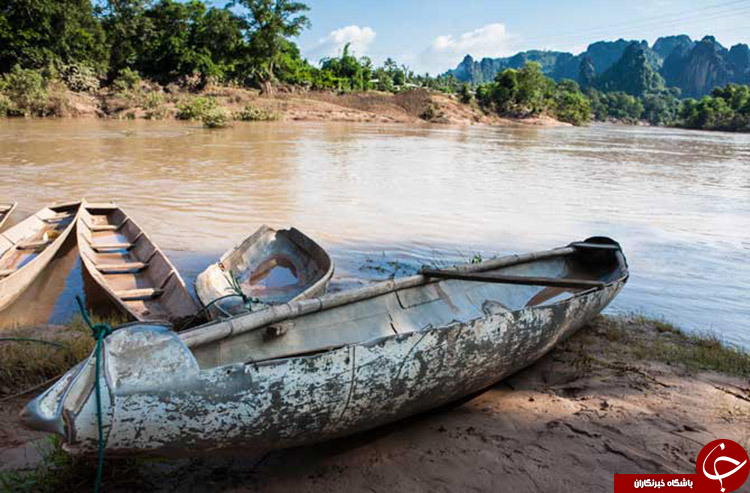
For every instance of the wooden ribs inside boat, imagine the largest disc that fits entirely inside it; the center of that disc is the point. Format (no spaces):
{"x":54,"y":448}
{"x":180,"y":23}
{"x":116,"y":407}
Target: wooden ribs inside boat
{"x":129,"y":267}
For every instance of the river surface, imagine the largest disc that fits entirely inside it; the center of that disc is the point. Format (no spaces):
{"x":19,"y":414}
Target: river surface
{"x":385,"y":199}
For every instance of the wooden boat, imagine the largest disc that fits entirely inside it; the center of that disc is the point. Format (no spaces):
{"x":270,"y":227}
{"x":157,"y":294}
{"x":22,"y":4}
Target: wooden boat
{"x":130,"y":269}
{"x":5,"y":211}
{"x":315,"y":369}
{"x":270,"y":267}
{"x":29,"y":246}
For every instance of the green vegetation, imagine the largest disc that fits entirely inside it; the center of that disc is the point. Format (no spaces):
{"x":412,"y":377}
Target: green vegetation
{"x":26,"y":92}
{"x":727,"y":108}
{"x":615,"y":106}
{"x":252,"y":114}
{"x":194,"y":108}
{"x":656,"y":340}
{"x":528,"y":92}
{"x":140,"y":58}
{"x":217,"y":118}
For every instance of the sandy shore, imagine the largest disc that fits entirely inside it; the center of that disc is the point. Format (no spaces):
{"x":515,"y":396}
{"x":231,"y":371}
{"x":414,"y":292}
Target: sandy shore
{"x":586,"y":411}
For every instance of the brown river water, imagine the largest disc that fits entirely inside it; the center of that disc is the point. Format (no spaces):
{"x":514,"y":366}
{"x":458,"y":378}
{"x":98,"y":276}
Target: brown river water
{"x":386,"y":199}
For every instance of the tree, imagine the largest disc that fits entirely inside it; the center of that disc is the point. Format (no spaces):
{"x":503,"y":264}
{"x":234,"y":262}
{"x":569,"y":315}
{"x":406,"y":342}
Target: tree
{"x":570,"y":104}
{"x":269,"y":23}
{"x":534,"y":89}
{"x":661,"y":108}
{"x":351,"y":73}
{"x":464,"y":94}
{"x":39,"y":33}
{"x":125,"y":24}
{"x":183,"y":39}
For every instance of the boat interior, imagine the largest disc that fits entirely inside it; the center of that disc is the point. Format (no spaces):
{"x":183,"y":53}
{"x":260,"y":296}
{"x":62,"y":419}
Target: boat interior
{"x":130,"y":267}
{"x":26,"y":240}
{"x":270,"y":266}
{"x":5,"y":211}
{"x":432,"y":304}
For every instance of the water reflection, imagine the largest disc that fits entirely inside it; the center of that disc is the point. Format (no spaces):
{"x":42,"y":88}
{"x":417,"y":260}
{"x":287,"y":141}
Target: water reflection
{"x":677,"y":200}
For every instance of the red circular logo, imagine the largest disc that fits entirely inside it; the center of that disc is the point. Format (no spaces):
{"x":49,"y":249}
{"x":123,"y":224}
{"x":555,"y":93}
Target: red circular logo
{"x":725,"y":463}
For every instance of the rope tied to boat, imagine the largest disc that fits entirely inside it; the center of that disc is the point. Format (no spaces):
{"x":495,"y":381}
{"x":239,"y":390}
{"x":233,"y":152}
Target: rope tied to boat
{"x":99,"y":332}
{"x":234,"y":285}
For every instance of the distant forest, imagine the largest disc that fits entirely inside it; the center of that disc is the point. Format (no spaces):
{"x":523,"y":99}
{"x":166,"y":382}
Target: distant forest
{"x":138,"y":50}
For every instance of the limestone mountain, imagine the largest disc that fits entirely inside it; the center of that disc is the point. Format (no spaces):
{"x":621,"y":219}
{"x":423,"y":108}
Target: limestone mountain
{"x":631,"y":66}
{"x":634,"y":73}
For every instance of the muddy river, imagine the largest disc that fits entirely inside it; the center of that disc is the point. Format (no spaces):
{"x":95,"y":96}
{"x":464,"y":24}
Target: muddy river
{"x":386,"y":199}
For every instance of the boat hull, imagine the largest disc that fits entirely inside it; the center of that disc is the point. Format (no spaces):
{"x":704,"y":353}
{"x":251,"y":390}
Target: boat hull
{"x":305,"y":270}
{"x":14,"y":285}
{"x":5,"y":211}
{"x":118,"y":273}
{"x":178,"y":407}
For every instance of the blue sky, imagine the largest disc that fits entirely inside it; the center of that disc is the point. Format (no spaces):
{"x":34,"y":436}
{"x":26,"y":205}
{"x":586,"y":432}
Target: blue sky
{"x":435,"y":35}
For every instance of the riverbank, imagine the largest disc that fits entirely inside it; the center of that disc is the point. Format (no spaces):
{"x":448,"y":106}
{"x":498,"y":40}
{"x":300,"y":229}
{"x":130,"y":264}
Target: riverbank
{"x":154,"y":102}
{"x":621,"y":395}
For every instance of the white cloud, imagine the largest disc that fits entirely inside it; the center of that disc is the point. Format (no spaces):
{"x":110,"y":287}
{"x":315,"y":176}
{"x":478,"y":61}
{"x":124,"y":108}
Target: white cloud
{"x":359,"y":38}
{"x":446,"y":51}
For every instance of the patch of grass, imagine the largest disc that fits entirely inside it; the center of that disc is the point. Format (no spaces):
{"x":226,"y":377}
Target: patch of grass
{"x":25,"y":363}
{"x":252,"y":114}
{"x":661,"y":341}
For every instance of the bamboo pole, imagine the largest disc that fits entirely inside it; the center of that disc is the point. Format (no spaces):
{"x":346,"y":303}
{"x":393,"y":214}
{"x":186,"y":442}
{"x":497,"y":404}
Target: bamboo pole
{"x":278,"y":313}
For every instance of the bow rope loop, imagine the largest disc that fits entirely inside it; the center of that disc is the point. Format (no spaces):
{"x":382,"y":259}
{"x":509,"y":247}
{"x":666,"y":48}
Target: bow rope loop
{"x":99,"y":332}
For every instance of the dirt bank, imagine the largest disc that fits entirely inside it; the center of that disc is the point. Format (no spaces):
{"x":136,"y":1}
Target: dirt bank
{"x":621,"y":396}
{"x":151,"y":101}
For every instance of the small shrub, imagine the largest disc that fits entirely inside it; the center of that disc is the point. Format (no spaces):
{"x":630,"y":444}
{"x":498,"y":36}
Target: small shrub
{"x":195,"y":108}
{"x":429,"y":113}
{"x":127,"y":80}
{"x":217,"y":118}
{"x":79,"y":78}
{"x":252,"y":114}
{"x":5,"y":105}
{"x":465,"y":95}
{"x":58,"y":103}
{"x":25,"y":89}
{"x":155,"y":106}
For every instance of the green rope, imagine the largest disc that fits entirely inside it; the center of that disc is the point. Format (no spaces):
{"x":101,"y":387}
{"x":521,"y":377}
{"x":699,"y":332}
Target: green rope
{"x":99,"y":332}
{"x":234,"y":285}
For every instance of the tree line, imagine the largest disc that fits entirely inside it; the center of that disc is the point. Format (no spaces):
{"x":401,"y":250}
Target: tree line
{"x":169,"y":41}
{"x":48,"y":46}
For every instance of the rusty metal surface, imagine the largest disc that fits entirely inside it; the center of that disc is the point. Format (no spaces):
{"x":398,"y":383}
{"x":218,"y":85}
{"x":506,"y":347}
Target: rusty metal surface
{"x":442,"y":342}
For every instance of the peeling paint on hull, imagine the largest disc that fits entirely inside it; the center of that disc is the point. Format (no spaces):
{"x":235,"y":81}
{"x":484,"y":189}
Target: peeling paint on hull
{"x":175,"y":407}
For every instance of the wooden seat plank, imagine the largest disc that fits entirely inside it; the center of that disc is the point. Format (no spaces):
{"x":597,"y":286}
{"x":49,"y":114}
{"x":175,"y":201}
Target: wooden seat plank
{"x":33,"y":245}
{"x":112,"y":246}
{"x":139,"y":294}
{"x":123,"y":267}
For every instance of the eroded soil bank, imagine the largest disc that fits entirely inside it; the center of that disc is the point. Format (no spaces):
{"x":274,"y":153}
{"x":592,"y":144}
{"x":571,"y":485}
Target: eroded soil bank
{"x":413,"y":106}
{"x":623,"y":395}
